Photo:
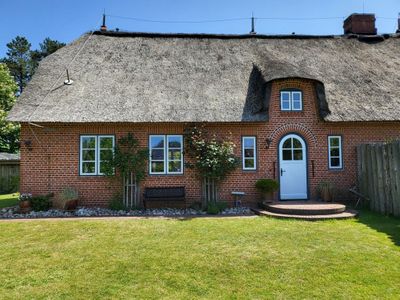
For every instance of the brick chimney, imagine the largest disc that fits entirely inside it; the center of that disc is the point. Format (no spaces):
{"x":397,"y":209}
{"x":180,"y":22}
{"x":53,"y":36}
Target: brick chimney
{"x":360,"y":24}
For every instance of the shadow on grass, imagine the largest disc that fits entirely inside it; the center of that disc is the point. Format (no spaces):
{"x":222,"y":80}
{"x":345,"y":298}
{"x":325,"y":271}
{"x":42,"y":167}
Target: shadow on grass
{"x":388,"y":225}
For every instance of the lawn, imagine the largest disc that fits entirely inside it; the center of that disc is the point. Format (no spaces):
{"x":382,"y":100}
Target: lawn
{"x":8,"y":200}
{"x":201,"y":258}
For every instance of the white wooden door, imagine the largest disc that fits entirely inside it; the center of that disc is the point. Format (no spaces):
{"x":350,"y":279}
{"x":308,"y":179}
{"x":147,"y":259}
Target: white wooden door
{"x":293,"y":168}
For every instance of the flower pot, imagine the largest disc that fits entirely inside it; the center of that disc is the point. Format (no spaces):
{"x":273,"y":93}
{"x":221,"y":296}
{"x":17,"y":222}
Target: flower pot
{"x":268,"y":197}
{"x":71,"y":205}
{"x":24,"y":206}
{"x":326,"y":195}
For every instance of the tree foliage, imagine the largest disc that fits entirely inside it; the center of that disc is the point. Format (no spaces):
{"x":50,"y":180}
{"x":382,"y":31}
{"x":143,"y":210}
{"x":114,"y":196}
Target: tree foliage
{"x":16,"y":69}
{"x":47,"y":47}
{"x":22,"y":61}
{"x":9,"y":131}
{"x":19,"y":61}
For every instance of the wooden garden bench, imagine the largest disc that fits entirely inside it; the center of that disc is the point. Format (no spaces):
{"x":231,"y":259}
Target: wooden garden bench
{"x":163,"y":194}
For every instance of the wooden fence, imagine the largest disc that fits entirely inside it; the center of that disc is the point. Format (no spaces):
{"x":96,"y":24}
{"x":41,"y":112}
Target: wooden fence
{"x":9,"y":177}
{"x":379,"y":176}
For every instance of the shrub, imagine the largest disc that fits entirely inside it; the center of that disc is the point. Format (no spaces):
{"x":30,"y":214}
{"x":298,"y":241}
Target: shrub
{"x":68,"y":194}
{"x":216,"y":208}
{"x":266,"y":186}
{"x":41,"y":203}
{"x":116,"y":203}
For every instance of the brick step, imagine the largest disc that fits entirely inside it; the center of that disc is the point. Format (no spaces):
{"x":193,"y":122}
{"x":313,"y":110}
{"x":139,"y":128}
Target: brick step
{"x":347,"y":214}
{"x":304,"y":208}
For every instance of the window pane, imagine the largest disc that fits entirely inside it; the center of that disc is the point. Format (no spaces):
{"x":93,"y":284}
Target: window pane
{"x":285,"y":105}
{"x":174,"y":154}
{"x":157,"y":167}
{"x":106,"y":142}
{"x":88,"y":142}
{"x":285,"y":96}
{"x":335,"y":162}
{"x":296,"y":96}
{"x":287,"y":154}
{"x":287,"y":144}
{"x":157,"y":154}
{"x":249,"y":153}
{"x":174,"y":142}
{"x":88,"y":167}
{"x":334,"y":142}
{"x":297,"y":144}
{"x":296,"y":105}
{"x":106,"y":154}
{"x":88,"y":155}
{"x":335,"y":152}
{"x":249,"y":163}
{"x":248,"y":142}
{"x":174,"y":166}
{"x":298,"y":154}
{"x":156,"y":142}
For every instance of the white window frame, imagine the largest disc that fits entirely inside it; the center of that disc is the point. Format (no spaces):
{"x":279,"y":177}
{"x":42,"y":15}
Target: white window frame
{"x":291,"y":108}
{"x":334,"y":147}
{"x":150,"y":149}
{"x":166,"y":159}
{"x":98,"y":150}
{"x":254,"y":139}
{"x":97,"y":153}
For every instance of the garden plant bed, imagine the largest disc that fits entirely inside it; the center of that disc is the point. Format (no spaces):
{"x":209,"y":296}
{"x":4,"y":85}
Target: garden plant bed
{"x":12,"y":213}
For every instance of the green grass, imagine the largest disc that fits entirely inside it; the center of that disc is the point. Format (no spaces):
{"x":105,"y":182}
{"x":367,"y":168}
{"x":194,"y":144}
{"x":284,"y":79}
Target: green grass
{"x":210,"y":258}
{"x":8,"y":200}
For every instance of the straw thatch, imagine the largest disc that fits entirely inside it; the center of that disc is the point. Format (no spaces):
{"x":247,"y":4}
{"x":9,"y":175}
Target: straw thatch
{"x":121,"y":77}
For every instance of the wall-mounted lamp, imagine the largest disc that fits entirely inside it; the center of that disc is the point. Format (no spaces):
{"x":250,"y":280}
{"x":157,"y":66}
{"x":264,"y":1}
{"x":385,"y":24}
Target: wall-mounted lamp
{"x":28,"y":145}
{"x":268,"y":142}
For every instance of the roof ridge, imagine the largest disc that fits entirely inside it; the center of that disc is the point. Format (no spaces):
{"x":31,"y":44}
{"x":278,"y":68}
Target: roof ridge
{"x":237,"y":36}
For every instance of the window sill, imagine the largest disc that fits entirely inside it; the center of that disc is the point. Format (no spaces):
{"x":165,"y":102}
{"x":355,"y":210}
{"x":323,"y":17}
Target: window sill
{"x":336,"y":169}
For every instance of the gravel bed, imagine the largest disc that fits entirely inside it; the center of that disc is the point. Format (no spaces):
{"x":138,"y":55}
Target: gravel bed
{"x":12,"y":213}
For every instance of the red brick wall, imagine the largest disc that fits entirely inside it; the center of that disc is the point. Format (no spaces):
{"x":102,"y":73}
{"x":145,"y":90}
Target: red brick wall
{"x":53,"y":162}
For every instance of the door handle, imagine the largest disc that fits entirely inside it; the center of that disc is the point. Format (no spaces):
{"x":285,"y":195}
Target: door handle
{"x":282,"y":170}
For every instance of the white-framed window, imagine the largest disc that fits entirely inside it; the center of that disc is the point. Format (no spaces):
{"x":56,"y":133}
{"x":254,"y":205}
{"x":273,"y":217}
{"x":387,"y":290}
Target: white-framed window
{"x":335,"y":152}
{"x":94,"y":150}
{"x":291,"y":100}
{"x":166,"y":154}
{"x":249,"y":153}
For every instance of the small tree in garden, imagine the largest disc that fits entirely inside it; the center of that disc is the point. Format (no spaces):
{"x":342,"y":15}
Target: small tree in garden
{"x":128,"y":165}
{"x":212,"y":158}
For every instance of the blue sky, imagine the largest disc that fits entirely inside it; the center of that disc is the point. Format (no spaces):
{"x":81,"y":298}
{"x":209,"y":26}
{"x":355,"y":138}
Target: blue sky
{"x":66,"y":20}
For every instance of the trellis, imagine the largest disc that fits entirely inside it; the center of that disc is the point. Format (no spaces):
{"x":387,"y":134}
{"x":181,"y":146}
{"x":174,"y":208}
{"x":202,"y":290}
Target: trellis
{"x":209,"y":191}
{"x":131,"y":194}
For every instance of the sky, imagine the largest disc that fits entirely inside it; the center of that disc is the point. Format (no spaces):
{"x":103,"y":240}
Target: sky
{"x":66,"y":20}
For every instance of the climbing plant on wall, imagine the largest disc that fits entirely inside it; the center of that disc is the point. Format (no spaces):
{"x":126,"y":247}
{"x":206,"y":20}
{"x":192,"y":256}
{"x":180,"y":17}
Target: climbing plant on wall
{"x":128,"y":164}
{"x":212,"y":157}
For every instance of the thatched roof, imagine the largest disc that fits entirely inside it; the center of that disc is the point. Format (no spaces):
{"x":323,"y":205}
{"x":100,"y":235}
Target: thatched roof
{"x":136,"y":77}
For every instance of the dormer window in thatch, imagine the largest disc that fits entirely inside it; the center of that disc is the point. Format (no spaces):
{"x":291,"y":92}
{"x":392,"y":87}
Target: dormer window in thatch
{"x":291,"y":100}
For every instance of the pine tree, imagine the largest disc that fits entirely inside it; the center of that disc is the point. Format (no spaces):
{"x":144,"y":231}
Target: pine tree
{"x":19,"y":61}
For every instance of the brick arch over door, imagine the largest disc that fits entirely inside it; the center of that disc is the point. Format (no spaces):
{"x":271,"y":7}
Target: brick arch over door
{"x":300,"y":128}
